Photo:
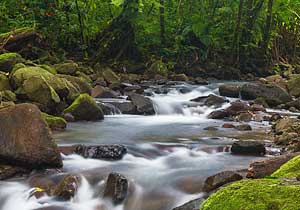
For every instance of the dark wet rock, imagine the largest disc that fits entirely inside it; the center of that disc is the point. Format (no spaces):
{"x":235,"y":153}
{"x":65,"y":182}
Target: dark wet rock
{"x":200,"y":81}
{"x":218,"y":114}
{"x":68,"y":117}
{"x":237,"y":107}
{"x":102,"y":92}
{"x":191,"y":205}
{"x":143,"y":104}
{"x":184,"y":90}
{"x":211,"y":100}
{"x":84,"y":108}
{"x":116,"y":188}
{"x":211,"y":128}
{"x":244,"y":127}
{"x":129,"y":88}
{"x":220,"y":179}
{"x":126,"y":107}
{"x":244,"y":117}
{"x":257,"y":108}
{"x":228,"y":125}
{"x":248,"y":148}
{"x":8,"y":171}
{"x":232,"y":91}
{"x":67,"y":188}
{"x":273,"y":95}
{"x":105,"y":152}
{"x":25,"y":138}
{"x":66,"y":68}
{"x":266,"y":167}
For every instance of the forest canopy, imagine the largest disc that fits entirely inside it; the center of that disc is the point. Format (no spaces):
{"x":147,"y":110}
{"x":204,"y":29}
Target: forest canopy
{"x":182,"y":32}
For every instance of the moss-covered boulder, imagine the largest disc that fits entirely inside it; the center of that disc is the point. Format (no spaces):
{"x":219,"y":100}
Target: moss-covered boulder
{"x":294,"y":85}
{"x":54,"y":122}
{"x":4,"y":82}
{"x":84,"y":108}
{"x":81,"y":85}
{"x":64,"y":89}
{"x":8,"y":60}
{"x":290,"y":169}
{"x":37,"y":89}
{"x":261,"y":194}
{"x":48,"y":68}
{"x":7,"y":95}
{"x":110,"y":76}
{"x":66,"y":68}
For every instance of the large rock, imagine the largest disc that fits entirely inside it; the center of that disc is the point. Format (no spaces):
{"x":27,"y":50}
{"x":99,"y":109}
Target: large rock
{"x":272,"y":94}
{"x":102,"y":92}
{"x":211,"y":100}
{"x":80,"y":84}
{"x":143,"y":104}
{"x":103,"y":152}
{"x":248,"y":148}
{"x":8,"y":60}
{"x":266,"y":167}
{"x":66,"y":68}
{"x":237,"y":107}
{"x":84,"y":108}
{"x":220,"y":179}
{"x":191,"y":205}
{"x":25,"y":138}
{"x":232,"y":91}
{"x":110,"y":76}
{"x":218,"y":114}
{"x":116,"y":188}
{"x":262,"y":194}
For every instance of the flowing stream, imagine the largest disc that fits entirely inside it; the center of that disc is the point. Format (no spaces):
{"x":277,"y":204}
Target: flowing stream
{"x":169,"y":155}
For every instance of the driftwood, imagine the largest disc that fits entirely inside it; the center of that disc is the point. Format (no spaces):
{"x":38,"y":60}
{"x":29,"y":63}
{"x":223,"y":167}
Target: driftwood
{"x":260,"y":169}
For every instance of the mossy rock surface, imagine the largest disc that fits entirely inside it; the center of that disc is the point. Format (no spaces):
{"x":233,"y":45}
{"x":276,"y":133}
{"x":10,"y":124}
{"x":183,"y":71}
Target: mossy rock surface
{"x":7,"y":95}
{"x":110,"y":76}
{"x":290,"y":169}
{"x":259,"y":194}
{"x":8,"y":60}
{"x":294,"y":85}
{"x":84,"y":108}
{"x":54,"y":122}
{"x":4,"y":82}
{"x":66,"y":68}
{"x":81,"y":85}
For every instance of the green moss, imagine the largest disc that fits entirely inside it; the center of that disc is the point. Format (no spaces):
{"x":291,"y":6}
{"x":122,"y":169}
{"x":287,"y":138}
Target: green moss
{"x":262,"y":194}
{"x":110,"y":76}
{"x":85,"y":108}
{"x":4,"y":36}
{"x":48,"y":68}
{"x":290,"y":169}
{"x":7,"y":95}
{"x":4,"y":82}
{"x":8,"y":60}
{"x":55,"y":123}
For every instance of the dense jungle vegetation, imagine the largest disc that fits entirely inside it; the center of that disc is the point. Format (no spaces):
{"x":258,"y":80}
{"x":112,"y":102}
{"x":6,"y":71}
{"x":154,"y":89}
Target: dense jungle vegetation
{"x":247,"y":34}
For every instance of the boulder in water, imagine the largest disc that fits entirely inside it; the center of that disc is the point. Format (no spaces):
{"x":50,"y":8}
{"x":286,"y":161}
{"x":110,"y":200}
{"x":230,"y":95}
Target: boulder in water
{"x":8,"y":171}
{"x":143,"y":104}
{"x":272,"y":94}
{"x":232,"y":91}
{"x":211,"y":100}
{"x":67,"y":188}
{"x":244,"y":127}
{"x":248,"y":148}
{"x":220,"y":179}
{"x":116,"y":188}
{"x":84,"y":108}
{"x":218,"y":114}
{"x":25,"y":138}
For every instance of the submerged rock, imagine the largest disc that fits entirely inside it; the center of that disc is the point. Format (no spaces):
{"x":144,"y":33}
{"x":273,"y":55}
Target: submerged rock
{"x":105,"y":152}
{"x":220,"y":179}
{"x":25,"y":138}
{"x":248,"y":148}
{"x":255,"y":194}
{"x":84,"y":108}
{"x":116,"y":188}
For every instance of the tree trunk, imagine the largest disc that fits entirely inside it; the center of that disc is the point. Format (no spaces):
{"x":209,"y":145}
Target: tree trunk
{"x":162,"y":22}
{"x":236,"y":41}
{"x":268,"y":27}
